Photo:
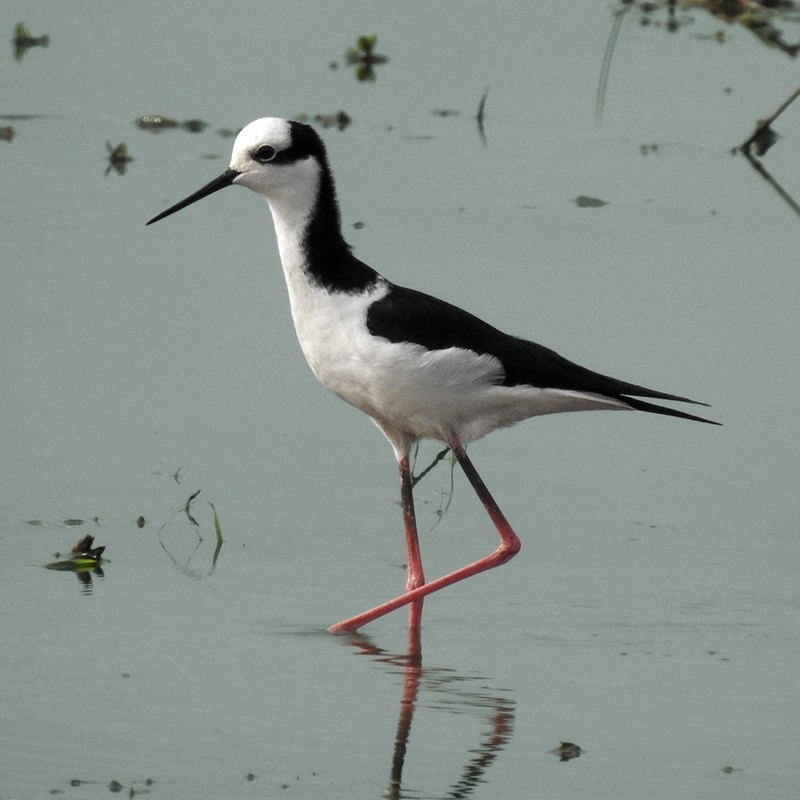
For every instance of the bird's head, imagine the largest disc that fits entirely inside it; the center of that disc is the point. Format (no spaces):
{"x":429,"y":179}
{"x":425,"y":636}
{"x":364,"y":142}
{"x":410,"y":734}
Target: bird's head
{"x":278,"y":158}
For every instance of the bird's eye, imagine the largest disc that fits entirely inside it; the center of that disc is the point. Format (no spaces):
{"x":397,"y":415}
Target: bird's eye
{"x":264,"y":153}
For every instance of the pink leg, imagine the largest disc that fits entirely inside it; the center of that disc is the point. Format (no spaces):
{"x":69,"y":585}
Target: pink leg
{"x":509,"y":546}
{"x":416,"y":577}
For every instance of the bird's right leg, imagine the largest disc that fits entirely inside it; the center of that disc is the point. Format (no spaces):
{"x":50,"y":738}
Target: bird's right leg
{"x":416,"y":577}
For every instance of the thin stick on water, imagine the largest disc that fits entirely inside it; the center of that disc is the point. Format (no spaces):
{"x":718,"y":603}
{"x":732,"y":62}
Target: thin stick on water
{"x":762,"y":138}
{"x":762,"y":126}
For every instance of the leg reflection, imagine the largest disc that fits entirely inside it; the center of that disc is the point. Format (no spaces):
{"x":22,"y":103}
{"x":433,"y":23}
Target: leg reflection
{"x":450,"y":691}
{"x":412,"y":674}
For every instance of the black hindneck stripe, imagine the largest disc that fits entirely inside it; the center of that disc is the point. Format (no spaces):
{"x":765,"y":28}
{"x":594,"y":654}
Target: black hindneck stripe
{"x":329,"y":260}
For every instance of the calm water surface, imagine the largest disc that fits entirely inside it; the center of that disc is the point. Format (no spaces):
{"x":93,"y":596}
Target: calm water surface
{"x":652,"y":616}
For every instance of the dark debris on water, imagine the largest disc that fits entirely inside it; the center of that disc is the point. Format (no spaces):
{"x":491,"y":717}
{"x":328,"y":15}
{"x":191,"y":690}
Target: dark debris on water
{"x":566,"y":751}
{"x":83,"y":556}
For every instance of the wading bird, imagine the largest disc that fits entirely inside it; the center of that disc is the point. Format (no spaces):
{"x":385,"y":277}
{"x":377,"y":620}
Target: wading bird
{"x":418,"y":366}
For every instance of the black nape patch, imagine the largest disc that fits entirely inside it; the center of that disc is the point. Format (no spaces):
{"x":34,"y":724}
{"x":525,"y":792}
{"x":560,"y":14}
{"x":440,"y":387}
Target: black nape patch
{"x":305,"y":142}
{"x":329,"y":262}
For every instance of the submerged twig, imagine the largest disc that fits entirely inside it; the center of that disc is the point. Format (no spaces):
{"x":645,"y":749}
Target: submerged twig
{"x":186,"y":507}
{"x":415,"y":479}
{"x":445,"y":497}
{"x":218,"y":532}
{"x":605,"y":69}
{"x":764,"y":173}
{"x":479,"y":117}
{"x":184,"y":567}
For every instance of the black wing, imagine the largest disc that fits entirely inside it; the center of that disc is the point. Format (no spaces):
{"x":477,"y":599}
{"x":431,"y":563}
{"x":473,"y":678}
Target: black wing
{"x":406,"y":315}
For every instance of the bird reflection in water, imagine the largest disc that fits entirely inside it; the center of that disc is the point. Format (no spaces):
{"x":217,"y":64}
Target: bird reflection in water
{"x":492,"y":705}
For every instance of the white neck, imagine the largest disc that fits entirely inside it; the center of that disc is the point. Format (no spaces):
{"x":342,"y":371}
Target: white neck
{"x":292,"y":203}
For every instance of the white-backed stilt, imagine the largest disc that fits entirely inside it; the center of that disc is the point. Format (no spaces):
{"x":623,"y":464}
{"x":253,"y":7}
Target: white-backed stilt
{"x":418,"y":366}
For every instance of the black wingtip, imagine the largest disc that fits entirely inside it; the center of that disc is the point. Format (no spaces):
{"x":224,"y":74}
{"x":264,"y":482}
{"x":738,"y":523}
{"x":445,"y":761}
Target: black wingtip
{"x":652,"y":408}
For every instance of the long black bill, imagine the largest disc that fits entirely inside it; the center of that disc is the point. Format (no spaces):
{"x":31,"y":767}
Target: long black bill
{"x":226,"y":179}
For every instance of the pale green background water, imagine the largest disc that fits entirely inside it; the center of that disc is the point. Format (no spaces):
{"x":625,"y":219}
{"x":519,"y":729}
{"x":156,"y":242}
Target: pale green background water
{"x":652,"y":616}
